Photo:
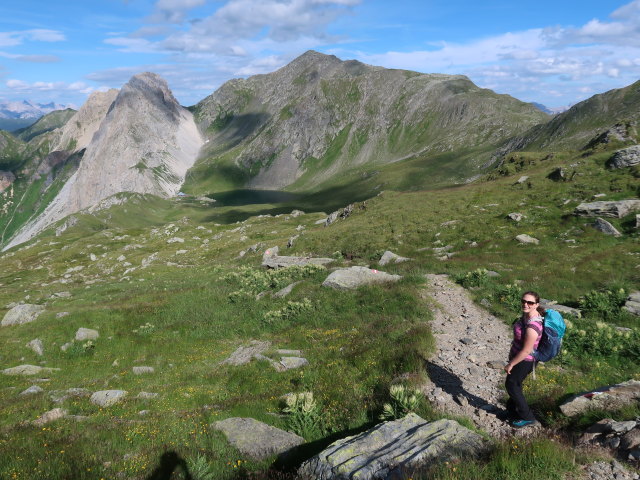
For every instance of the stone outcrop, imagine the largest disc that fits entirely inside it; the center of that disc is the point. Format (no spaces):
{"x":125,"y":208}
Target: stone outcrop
{"x":354,"y":277}
{"x":106,"y":398}
{"x":606,"y":398}
{"x":244,"y":354}
{"x":394,"y":449}
{"x":626,"y":157}
{"x":6,"y":179}
{"x":605,"y":227}
{"x":632,"y":305}
{"x":271,"y":259}
{"x":623,"y":438}
{"x":390,"y":257}
{"x":524,"y":238}
{"x":255,"y":439}
{"x":145,"y":140}
{"x":23,"y":313}
{"x":27,"y":370}
{"x":83,"y":334}
{"x":607,"y":209}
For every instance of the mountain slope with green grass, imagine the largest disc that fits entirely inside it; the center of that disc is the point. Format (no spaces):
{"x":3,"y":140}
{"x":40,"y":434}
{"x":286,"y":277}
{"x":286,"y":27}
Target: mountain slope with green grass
{"x":46,"y":123}
{"x":174,"y":284}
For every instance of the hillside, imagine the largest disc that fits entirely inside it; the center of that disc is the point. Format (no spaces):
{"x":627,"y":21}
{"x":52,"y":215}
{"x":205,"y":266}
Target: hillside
{"x":318,"y":118}
{"x":44,"y":124}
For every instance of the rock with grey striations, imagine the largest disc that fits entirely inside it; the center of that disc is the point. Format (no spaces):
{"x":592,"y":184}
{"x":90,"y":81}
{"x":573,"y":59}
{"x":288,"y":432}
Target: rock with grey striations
{"x":632,"y":305}
{"x":524,"y":238}
{"x":255,"y":439}
{"x":32,"y":390}
{"x":50,"y":416}
{"x":20,"y":314}
{"x":36,"y":345}
{"x":544,"y":303}
{"x":354,"y":277}
{"x":273,"y":260}
{"x":27,"y":370}
{"x":605,"y":227}
{"x":606,"y":398}
{"x":616,"y":209}
{"x":296,"y":213}
{"x":625,"y":157}
{"x":289,"y":363}
{"x":292,"y":240}
{"x":516,"y":217}
{"x":285,"y":291}
{"x":106,"y":398}
{"x":631,"y":439}
{"x":86,"y":334}
{"x":390,"y":257}
{"x":244,"y":354}
{"x":394,"y":449}
{"x":141,"y":370}
{"x":523,"y":179}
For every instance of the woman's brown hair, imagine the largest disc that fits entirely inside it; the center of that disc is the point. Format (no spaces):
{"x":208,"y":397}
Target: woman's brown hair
{"x":535,"y":295}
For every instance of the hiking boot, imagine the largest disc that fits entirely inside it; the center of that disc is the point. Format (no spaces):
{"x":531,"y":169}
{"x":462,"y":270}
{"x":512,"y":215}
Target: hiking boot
{"x":523,"y":423}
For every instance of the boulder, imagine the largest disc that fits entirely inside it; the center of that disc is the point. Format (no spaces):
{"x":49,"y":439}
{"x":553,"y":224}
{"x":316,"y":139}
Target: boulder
{"x":255,"y":439}
{"x":523,"y":179}
{"x":36,"y":345}
{"x":32,"y":390}
{"x":557,"y":175}
{"x":632,"y":305}
{"x":244,"y":354}
{"x":289,"y":363}
{"x":106,"y":398}
{"x":143,"y":370}
{"x":625,"y":157}
{"x":50,"y":416}
{"x":271,"y":259}
{"x":27,"y":370}
{"x":23,"y":313}
{"x":516,"y":217}
{"x":390,"y":257}
{"x":524,"y":238}
{"x":285,"y":291}
{"x":607,"y":209}
{"x":605,"y":227}
{"x":86,"y":334}
{"x":354,"y":277}
{"x":394,"y":449}
{"x":544,"y":303}
{"x":606,"y":398}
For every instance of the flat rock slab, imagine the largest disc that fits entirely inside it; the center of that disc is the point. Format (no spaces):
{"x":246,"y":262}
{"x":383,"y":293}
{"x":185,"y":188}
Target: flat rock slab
{"x":256,"y":439}
{"x":390,"y":257}
{"x":354,"y":277}
{"x":27,"y":370}
{"x":20,"y":314}
{"x":106,"y":398}
{"x":605,"y":398}
{"x":281,"y":261}
{"x":524,"y":238}
{"x":607,"y":209}
{"x":392,"y":449}
{"x":244,"y":354}
{"x":50,"y":416}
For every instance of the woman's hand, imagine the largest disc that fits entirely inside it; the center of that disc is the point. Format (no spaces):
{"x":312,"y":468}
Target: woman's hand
{"x":508,"y":368}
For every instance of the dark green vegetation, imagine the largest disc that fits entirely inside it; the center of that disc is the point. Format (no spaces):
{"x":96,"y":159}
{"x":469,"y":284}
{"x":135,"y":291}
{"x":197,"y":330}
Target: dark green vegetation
{"x":45,"y":124}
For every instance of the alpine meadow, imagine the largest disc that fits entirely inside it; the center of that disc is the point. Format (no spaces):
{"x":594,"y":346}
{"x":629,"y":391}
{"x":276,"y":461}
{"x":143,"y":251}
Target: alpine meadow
{"x":313,"y":274}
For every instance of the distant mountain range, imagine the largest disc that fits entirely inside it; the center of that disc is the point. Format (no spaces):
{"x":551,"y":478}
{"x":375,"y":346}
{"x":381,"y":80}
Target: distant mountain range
{"x":550,"y":111}
{"x":28,"y":110}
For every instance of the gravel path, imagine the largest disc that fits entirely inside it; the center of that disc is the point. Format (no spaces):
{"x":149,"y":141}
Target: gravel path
{"x":466,"y":372}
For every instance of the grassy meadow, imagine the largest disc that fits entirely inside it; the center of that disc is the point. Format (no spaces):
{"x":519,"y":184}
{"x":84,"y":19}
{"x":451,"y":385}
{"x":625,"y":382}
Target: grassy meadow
{"x":177,"y":291}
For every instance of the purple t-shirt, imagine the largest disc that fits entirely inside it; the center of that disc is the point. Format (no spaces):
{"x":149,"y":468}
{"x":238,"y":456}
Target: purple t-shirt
{"x":519,"y":329}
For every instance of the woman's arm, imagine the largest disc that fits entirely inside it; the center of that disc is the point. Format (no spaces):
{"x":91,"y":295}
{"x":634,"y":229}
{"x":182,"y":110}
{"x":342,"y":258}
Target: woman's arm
{"x":530,"y":338}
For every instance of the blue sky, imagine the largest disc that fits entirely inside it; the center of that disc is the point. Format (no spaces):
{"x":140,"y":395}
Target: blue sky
{"x":553,"y":52}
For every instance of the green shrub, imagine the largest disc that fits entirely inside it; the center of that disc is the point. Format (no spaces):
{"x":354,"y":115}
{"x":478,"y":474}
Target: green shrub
{"x":476,"y":278}
{"x":290,"y":310}
{"x":509,"y":295}
{"x":303,"y":415}
{"x":403,"y":401}
{"x":584,"y":336}
{"x":606,"y":304}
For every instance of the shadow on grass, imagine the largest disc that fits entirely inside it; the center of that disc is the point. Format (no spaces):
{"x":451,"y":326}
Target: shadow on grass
{"x":170,"y":462}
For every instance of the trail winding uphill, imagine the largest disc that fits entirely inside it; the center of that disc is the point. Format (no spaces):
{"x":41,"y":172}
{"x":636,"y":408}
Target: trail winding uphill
{"x":466,"y":372}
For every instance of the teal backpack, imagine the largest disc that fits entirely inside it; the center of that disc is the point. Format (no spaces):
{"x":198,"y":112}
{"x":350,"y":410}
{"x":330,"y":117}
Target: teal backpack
{"x":552,"y":333}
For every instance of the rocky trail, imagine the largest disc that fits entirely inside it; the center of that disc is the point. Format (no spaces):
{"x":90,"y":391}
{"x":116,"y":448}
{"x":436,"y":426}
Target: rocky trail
{"x":466,"y":373}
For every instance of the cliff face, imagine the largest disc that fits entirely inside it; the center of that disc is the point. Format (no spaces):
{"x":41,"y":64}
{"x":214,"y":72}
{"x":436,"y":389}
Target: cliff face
{"x":317,"y":116}
{"x":144,"y":142}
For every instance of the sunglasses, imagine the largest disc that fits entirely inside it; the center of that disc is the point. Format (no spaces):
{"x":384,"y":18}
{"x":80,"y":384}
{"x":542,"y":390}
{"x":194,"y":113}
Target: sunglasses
{"x":528,"y":302}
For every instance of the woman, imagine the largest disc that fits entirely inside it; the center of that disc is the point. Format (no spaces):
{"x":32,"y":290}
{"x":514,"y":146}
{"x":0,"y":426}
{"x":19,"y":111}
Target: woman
{"x":527,"y":331}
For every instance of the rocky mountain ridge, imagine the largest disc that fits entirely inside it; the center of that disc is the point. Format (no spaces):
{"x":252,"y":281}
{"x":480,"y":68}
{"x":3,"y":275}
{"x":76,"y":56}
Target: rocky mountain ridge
{"x":160,"y":144}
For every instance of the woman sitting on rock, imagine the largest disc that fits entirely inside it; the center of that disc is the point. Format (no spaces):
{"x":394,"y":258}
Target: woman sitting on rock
{"x":527,"y":331}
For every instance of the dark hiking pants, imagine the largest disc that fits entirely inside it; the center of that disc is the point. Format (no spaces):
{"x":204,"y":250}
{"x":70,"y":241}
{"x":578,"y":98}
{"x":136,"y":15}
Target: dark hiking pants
{"x":517,"y":405}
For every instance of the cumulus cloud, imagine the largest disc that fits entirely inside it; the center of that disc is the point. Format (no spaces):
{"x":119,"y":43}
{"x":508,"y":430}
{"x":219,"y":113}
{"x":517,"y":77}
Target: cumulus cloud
{"x":11,"y":39}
